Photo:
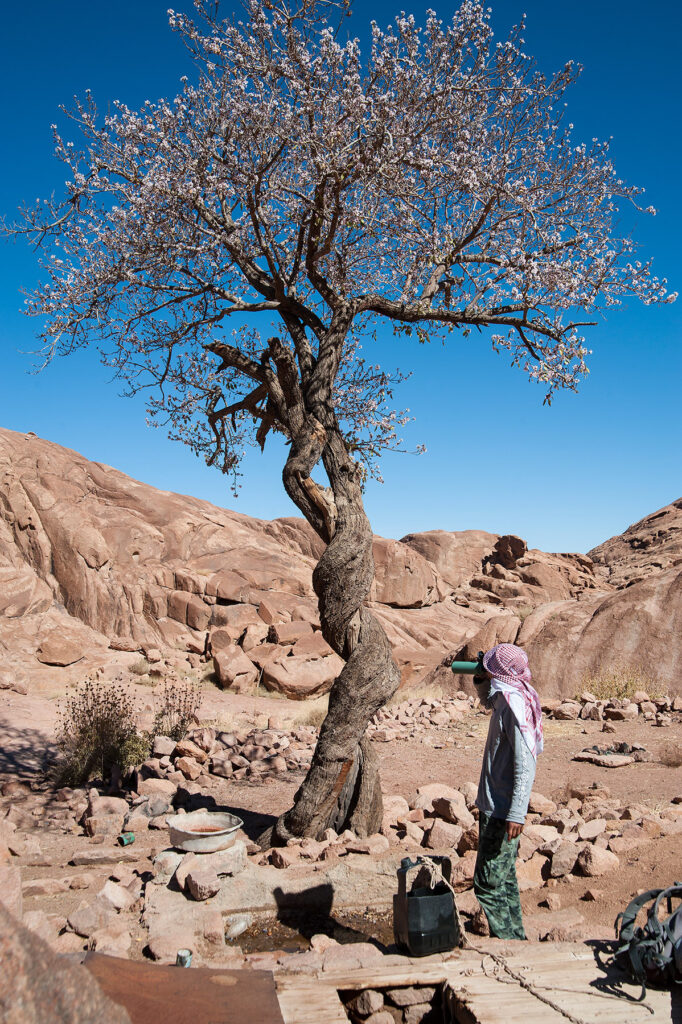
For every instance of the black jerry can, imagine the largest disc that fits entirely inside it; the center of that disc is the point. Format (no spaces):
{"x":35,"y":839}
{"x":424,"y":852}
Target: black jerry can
{"x":425,"y":920}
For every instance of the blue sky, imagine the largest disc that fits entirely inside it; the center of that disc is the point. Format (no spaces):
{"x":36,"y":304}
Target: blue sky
{"x":564,"y":477}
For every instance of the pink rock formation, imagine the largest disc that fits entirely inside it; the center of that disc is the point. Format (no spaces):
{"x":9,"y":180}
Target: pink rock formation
{"x":96,"y":567}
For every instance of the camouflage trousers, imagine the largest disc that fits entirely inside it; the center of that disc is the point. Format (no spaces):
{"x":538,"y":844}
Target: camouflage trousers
{"x":495,"y":883}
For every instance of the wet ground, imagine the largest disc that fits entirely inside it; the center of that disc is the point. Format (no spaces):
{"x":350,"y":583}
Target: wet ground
{"x":293,"y":931}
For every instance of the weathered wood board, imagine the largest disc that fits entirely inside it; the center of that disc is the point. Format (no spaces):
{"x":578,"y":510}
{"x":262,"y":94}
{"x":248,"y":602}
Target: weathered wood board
{"x":547,"y":983}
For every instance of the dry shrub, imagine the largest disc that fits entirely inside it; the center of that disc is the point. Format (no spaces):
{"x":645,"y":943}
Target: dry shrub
{"x":618,"y":681}
{"x":179,"y":705}
{"x":96,"y":731}
{"x":140,"y":667}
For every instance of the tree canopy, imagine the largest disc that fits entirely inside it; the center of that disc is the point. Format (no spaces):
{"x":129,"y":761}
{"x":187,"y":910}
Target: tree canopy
{"x":432,"y":181}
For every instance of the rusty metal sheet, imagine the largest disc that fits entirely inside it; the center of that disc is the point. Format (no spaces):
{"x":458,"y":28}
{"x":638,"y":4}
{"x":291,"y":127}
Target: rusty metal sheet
{"x":174,"y":995}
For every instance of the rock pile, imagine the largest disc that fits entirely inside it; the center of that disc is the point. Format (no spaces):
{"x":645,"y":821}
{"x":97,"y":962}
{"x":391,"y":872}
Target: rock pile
{"x":656,"y":710}
{"x":413,"y":716}
{"x":416,"y":1004}
{"x":97,"y":566}
{"x":253,"y":754}
{"x":584,"y":835}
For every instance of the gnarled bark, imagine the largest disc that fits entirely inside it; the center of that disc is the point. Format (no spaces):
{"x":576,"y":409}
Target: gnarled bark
{"x":342,"y":788}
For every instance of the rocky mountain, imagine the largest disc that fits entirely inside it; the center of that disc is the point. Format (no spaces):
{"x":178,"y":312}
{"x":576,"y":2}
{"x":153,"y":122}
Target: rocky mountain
{"x":97,"y":569}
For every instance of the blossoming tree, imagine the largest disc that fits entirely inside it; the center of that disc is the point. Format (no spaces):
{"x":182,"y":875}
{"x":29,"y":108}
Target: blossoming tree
{"x":430,"y":183}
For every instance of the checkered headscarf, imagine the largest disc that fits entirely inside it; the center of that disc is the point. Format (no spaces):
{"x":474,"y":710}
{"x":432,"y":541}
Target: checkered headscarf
{"x":508,"y":666}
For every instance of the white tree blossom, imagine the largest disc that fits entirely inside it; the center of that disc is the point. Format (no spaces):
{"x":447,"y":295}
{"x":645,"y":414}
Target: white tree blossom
{"x":432,"y":181}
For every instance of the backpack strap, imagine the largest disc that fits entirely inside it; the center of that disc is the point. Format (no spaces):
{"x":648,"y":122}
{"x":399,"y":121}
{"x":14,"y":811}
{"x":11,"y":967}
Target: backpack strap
{"x":628,"y":916}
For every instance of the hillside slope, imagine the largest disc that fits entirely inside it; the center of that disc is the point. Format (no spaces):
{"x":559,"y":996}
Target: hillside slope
{"x":96,"y":568}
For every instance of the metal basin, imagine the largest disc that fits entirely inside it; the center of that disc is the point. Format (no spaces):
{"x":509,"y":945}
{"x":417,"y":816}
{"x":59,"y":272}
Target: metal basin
{"x":203,"y":831}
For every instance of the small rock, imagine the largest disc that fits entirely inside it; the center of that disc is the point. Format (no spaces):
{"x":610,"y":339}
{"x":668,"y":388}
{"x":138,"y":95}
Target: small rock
{"x":88,"y":917}
{"x":117,"y":895}
{"x":479,"y":923}
{"x":552,"y":901}
{"x":167,"y":937}
{"x":563,"y":860}
{"x":115,"y":939}
{"x":164,"y":866}
{"x":163,"y":746}
{"x":189,"y":767}
{"x":10,"y":889}
{"x":107,"y":825}
{"x":592,"y":861}
{"x":410,"y":996}
{"x":434,"y":791}
{"x":98,"y":806}
{"x":540,"y":804}
{"x":591,"y":829}
{"x":443,"y":835}
{"x":284,"y":856}
{"x":202,"y":883}
{"x":592,"y":895}
{"x":567,"y":711}
{"x":39,"y":923}
{"x":85,"y":858}
{"x":454,"y":811}
{"x":44,"y":887}
{"x":373,"y":845}
{"x":367,"y":1002}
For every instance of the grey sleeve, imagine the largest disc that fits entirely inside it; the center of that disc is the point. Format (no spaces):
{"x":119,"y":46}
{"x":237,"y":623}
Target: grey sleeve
{"x":524,"y":768}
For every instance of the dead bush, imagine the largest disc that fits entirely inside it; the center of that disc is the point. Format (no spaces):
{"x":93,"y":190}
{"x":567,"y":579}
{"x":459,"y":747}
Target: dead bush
{"x":96,"y":731}
{"x":617,"y":682}
{"x":179,"y":705}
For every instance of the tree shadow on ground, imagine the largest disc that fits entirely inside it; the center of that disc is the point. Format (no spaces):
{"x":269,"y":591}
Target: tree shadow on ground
{"x":309,"y":913}
{"x":25,"y":752}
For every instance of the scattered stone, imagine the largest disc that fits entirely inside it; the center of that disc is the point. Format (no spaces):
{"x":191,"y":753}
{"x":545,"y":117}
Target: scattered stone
{"x":167,"y":937}
{"x":202,"y":883}
{"x":46,"y":987}
{"x":410,"y":996}
{"x":563,"y":860}
{"x":164,"y":866}
{"x":88,"y":917}
{"x":117,"y":895}
{"x":44,"y":887}
{"x":373,"y":845}
{"x":115,"y":939}
{"x":592,"y":895}
{"x":443,"y":835}
{"x":87,"y":858}
{"x":593,"y":861}
{"x":107,"y":825}
{"x":539,"y":804}
{"x":39,"y":923}
{"x":591,"y":829}
{"x":367,"y":1002}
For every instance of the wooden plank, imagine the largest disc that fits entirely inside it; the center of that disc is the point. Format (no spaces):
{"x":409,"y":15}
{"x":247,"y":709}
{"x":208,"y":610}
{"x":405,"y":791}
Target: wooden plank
{"x":312,"y":1003}
{"x":571,"y":984}
{"x":152,"y":993}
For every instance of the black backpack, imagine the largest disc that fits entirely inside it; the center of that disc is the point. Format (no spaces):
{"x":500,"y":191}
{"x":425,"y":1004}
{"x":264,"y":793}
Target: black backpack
{"x":652,"y":953}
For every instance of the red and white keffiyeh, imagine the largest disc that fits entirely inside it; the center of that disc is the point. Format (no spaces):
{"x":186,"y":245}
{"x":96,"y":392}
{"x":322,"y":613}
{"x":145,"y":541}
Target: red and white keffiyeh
{"x":508,"y":666}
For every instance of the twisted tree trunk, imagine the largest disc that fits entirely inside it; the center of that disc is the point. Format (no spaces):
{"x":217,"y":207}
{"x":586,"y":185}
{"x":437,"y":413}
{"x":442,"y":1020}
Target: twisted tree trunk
{"x":342,"y":788}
